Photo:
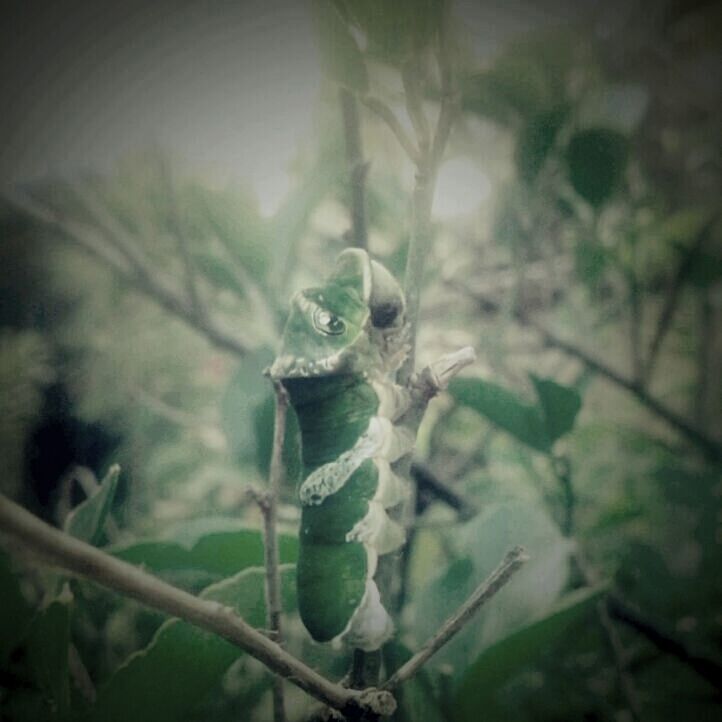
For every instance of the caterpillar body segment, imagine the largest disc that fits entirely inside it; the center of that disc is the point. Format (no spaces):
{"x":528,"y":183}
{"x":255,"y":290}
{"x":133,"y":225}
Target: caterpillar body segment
{"x":340,"y":350}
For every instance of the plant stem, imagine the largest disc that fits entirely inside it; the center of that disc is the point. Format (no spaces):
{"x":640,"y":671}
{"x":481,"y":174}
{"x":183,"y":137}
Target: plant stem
{"x":77,"y":557}
{"x":511,"y":563}
{"x":270,"y":521}
{"x":357,"y":168}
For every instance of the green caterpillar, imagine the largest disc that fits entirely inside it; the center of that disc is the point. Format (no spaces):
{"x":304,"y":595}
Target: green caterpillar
{"x":341,"y":347}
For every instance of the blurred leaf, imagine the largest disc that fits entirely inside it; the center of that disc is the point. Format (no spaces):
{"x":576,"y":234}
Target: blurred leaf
{"x":220,"y":554}
{"x":416,"y":698}
{"x":217,"y":272}
{"x":559,"y":404}
{"x":247,"y":416}
{"x":87,"y":520}
{"x":504,"y":409}
{"x":536,"y":140}
{"x":340,"y":55}
{"x":482,"y":543}
{"x":47,"y":652}
{"x":596,"y":161}
{"x":16,"y":614}
{"x":182,"y":664}
{"x":619,"y":107}
{"x":590,"y":261}
{"x":499,"y":663}
{"x":395,"y":30}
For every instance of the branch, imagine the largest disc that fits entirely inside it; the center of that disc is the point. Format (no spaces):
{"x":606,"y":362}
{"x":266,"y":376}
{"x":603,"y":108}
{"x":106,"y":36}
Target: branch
{"x":130,"y":267}
{"x":387,"y":115}
{"x":709,"y":669}
{"x":511,"y":563}
{"x":357,"y":168}
{"x":427,"y":481}
{"x":270,"y":520}
{"x":77,"y":557}
{"x":698,"y":437}
{"x":675,"y":292}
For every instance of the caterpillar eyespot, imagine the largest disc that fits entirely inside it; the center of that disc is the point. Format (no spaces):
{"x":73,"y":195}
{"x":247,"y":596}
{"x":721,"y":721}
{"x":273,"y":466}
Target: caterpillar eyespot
{"x":340,"y":349}
{"x":327,"y":322}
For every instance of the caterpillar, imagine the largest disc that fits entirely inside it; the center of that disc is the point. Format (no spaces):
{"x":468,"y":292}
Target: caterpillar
{"x":341,"y":347}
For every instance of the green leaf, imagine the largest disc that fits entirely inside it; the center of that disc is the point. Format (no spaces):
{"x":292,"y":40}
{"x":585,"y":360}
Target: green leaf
{"x":482,"y":543}
{"x":536,"y":140}
{"x":218,"y":554}
{"x":417,"y":698}
{"x":183,"y":664}
{"x":47,"y":652}
{"x":340,"y":54}
{"x":247,"y":417}
{"x":395,"y":30}
{"x":496,"y":665}
{"x":559,"y":404}
{"x":87,"y":520}
{"x":16,"y":613}
{"x":596,"y":162}
{"x":504,"y":409}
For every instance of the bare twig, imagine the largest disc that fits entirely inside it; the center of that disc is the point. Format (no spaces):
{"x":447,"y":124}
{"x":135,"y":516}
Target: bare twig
{"x":356,"y":166}
{"x":511,"y":563}
{"x":129,"y":265}
{"x":699,"y":438}
{"x":429,"y":483}
{"x":387,"y":115}
{"x":706,"y":667}
{"x":270,"y":521}
{"x":79,"y":558}
{"x":674,"y":294}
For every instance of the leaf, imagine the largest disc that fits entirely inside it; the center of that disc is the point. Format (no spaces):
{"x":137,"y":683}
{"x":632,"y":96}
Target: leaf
{"x":247,"y":418}
{"x":596,"y":162}
{"x":504,"y":409}
{"x":16,"y":613}
{"x":217,"y":554}
{"x":620,"y":107}
{"x":395,"y":30}
{"x":416,"y":698}
{"x":87,"y":520}
{"x":536,"y":140}
{"x":340,"y":54}
{"x":496,"y":665}
{"x":47,"y":652}
{"x":183,"y":664}
{"x":482,"y":543}
{"x":559,"y":404}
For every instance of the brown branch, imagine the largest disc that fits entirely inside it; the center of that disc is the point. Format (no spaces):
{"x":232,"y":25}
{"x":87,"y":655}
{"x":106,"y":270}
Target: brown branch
{"x":699,"y":438}
{"x":428,"y":482}
{"x":130,"y":267}
{"x":387,"y":115}
{"x":674,"y":294}
{"x":77,"y":557}
{"x":511,"y":563}
{"x":706,"y":667}
{"x":356,"y":166}
{"x":270,"y":521}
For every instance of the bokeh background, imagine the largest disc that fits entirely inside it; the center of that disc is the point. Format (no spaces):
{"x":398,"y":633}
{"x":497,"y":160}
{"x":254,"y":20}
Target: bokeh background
{"x":172,"y":172}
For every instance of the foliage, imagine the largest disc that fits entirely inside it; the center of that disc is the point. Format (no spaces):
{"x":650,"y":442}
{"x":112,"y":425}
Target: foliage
{"x":588,"y":281}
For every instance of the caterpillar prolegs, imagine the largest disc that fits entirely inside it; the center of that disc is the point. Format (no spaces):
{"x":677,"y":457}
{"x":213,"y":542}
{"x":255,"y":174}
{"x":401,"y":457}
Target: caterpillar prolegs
{"x":341,"y":347}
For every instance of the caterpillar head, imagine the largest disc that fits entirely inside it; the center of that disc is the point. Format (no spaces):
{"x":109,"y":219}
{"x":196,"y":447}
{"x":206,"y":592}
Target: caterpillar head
{"x":341,"y":326}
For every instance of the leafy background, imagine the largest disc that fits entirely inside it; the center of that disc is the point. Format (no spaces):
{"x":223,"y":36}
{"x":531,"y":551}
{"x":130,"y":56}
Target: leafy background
{"x":587,"y":274}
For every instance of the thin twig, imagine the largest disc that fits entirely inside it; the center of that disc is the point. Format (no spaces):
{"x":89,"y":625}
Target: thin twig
{"x":674,"y":294}
{"x":511,"y":563}
{"x":357,"y":168}
{"x":270,"y":521}
{"x":699,"y":438}
{"x":388,"y":116}
{"x":706,"y":667}
{"x":130,"y":268}
{"x":429,"y":483}
{"x":77,"y":557}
